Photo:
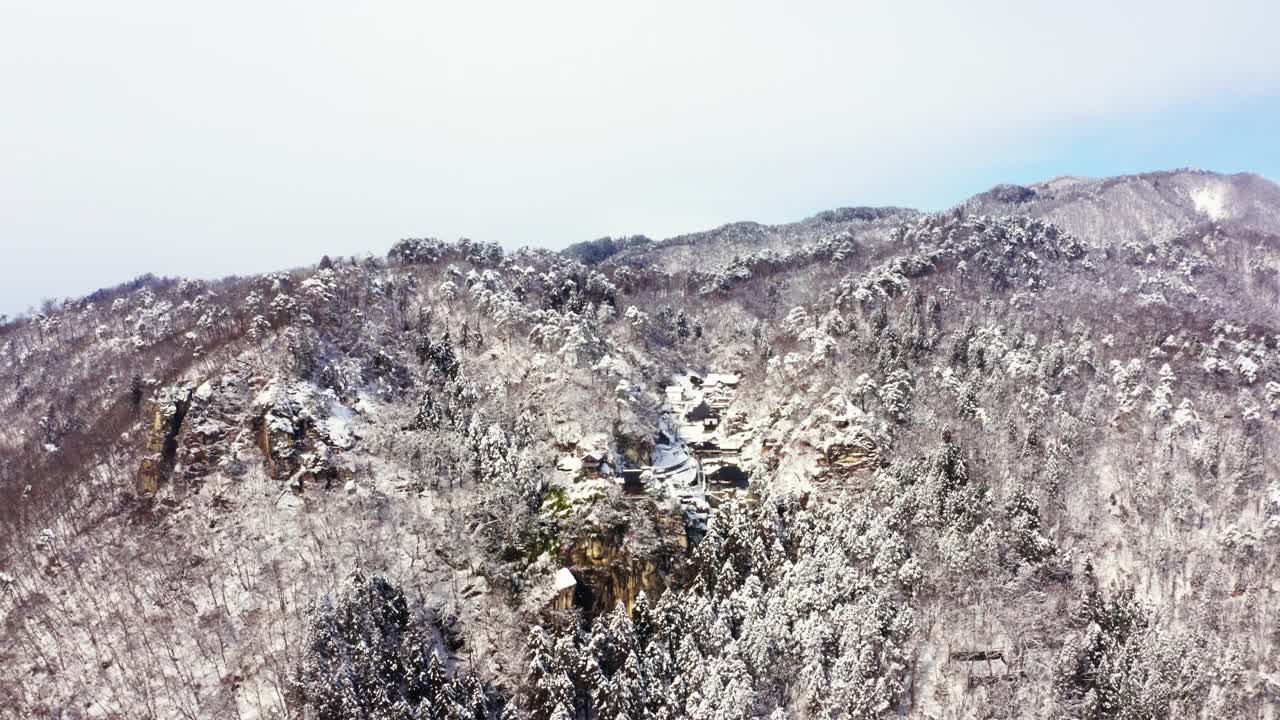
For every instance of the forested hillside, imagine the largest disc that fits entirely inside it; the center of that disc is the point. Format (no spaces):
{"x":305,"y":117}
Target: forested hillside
{"x":1017,"y":459}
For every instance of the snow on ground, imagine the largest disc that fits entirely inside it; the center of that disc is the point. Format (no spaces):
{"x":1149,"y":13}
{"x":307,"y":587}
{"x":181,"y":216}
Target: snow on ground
{"x":1211,"y":200}
{"x":338,"y":425}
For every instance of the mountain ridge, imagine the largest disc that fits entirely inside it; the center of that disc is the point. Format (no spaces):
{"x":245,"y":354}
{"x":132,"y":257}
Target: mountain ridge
{"x":1012,"y":459}
{"x":831,"y":219}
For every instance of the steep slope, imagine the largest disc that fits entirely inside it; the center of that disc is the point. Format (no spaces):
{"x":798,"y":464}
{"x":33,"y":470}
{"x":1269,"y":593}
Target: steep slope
{"x":1011,"y":460}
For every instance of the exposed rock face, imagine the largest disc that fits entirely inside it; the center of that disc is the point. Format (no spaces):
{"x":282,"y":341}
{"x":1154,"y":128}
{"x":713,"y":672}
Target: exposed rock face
{"x":215,"y":429}
{"x":202,"y":427}
{"x":636,"y":449}
{"x":836,"y":442}
{"x":846,"y":454}
{"x":298,"y":436}
{"x":609,"y":574}
{"x":614,"y":566}
{"x":280,"y":443}
{"x":168,"y":409}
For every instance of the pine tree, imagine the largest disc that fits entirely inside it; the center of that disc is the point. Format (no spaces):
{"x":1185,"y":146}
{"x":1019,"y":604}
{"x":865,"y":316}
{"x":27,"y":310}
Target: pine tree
{"x":135,"y":392}
{"x":434,"y":690}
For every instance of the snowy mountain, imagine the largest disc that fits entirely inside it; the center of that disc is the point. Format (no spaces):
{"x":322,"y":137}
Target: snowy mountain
{"x":1016,"y":459}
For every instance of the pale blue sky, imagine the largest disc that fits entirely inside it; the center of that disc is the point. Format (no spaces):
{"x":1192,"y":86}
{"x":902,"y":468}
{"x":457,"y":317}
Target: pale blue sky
{"x":152,"y":136}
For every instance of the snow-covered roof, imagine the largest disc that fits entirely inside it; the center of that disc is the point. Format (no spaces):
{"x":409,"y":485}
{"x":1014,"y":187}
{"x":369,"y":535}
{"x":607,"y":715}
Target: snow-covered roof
{"x":721,"y":379}
{"x":569,"y":463}
{"x":564,"y":579}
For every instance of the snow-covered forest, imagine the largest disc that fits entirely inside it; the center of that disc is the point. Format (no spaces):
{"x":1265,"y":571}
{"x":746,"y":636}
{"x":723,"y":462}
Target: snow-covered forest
{"x":1018,"y":459}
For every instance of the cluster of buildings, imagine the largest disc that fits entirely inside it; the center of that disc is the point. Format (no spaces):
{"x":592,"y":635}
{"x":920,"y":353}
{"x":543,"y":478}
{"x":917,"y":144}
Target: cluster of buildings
{"x":699,"y":448}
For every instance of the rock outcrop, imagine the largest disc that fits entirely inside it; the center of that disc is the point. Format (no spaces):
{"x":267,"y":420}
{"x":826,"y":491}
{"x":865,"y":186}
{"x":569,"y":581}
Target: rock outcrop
{"x":613,"y":566}
{"x":216,"y":429}
{"x":846,"y":453}
{"x":167,"y":410}
{"x":300,"y":435}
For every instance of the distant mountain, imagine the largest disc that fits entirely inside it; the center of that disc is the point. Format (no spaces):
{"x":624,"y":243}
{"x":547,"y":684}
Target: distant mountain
{"x":1108,"y":210}
{"x":1140,"y":207}
{"x":723,"y":243}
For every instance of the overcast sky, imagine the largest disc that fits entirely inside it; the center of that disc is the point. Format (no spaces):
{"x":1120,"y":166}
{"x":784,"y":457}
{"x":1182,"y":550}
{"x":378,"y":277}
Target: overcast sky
{"x":234,"y":137}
